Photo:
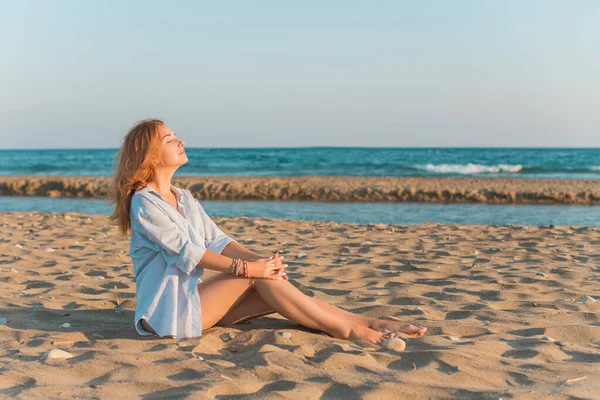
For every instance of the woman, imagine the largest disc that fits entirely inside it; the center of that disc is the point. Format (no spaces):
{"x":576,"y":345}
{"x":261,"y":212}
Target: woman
{"x":173,"y":241}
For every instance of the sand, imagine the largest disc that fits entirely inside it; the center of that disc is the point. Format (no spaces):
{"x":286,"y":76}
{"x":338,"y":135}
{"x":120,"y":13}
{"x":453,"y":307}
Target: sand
{"x":332,"y":188}
{"x":505,"y":307}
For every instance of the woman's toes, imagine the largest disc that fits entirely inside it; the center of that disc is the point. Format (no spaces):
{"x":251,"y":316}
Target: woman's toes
{"x":415,"y":330}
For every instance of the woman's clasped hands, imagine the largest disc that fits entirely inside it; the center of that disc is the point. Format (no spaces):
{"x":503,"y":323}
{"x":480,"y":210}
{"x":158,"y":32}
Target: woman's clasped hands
{"x":268,"y":268}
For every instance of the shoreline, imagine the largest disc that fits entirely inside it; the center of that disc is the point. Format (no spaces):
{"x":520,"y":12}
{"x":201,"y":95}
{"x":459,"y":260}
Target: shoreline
{"x":332,"y":189}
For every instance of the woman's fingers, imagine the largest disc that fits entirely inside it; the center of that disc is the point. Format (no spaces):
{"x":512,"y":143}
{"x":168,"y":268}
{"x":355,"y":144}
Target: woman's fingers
{"x":279,"y":270}
{"x":276,"y":268}
{"x":276,"y":264}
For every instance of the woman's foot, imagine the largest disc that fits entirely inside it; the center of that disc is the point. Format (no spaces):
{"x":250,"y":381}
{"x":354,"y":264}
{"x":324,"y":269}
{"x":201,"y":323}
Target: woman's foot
{"x":392,"y":326}
{"x":360,"y":332}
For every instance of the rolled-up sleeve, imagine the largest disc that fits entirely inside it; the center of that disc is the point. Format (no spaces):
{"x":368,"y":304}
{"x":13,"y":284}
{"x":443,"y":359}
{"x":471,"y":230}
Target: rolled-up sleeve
{"x":156,"y":225}
{"x":215,"y":238}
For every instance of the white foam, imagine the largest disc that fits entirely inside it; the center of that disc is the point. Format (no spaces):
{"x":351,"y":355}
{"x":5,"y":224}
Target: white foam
{"x":471,"y":168}
{"x":594,"y":168}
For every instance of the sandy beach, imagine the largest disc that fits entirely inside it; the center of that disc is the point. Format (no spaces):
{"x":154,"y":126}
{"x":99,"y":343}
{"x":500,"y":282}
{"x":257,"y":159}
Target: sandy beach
{"x":332,"y":188}
{"x":512,"y":312}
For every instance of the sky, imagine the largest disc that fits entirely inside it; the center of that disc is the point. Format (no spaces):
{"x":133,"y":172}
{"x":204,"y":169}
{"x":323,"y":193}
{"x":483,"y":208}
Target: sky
{"x":505,"y":73}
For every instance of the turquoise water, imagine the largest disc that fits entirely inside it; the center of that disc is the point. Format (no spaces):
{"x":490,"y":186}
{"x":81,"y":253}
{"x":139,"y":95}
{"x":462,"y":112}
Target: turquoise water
{"x":517,"y":163}
{"x":360,"y":213}
{"x":525,"y":163}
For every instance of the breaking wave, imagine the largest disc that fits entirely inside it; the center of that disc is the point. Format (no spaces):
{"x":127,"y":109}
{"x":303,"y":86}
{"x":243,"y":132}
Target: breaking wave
{"x":471,"y":168}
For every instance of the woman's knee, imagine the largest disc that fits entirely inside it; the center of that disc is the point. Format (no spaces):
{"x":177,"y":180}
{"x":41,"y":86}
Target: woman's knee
{"x":269,"y":282}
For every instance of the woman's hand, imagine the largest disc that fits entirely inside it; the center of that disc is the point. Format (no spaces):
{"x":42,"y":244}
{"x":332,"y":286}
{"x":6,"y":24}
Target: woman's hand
{"x":268,"y":268}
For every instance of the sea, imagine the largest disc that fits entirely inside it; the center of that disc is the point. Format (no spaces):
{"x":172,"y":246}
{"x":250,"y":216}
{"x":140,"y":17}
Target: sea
{"x":332,"y":161}
{"x":540,"y":163}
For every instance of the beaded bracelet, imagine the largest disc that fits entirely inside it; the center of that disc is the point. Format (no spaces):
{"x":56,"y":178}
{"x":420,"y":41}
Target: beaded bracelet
{"x":234,"y":266}
{"x":238,"y":265}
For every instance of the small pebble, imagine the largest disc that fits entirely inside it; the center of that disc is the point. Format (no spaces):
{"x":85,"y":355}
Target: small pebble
{"x":18,"y":246}
{"x":547,"y":339}
{"x":3,"y":321}
{"x":49,"y":249}
{"x":14,"y":271}
{"x":301,"y":255}
{"x":100,"y":277}
{"x":62,"y":342}
{"x":119,"y":309}
{"x":588,"y":299}
{"x":486,"y":322}
{"x":56,"y":354}
{"x":475,"y":253}
{"x":199,"y":358}
{"x":540,"y":274}
{"x":286,"y":335}
{"x":394,"y":344}
{"x":231,"y":335}
{"x":66,"y":325}
{"x":453,"y":338}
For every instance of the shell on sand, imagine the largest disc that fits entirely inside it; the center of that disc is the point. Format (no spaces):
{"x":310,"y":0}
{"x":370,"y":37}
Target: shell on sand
{"x":56,"y":354}
{"x":395,"y":344}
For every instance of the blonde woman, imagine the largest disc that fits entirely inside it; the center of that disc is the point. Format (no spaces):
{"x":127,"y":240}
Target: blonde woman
{"x":173,"y":241}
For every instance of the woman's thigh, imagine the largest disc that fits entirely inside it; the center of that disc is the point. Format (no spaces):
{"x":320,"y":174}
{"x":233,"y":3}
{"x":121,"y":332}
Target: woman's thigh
{"x":219,"y":294}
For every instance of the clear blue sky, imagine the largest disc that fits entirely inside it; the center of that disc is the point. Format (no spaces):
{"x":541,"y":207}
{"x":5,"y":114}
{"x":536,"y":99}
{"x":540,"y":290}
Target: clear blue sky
{"x":78,"y":74}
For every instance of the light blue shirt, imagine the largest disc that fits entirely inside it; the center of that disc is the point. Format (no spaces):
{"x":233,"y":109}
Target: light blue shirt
{"x":166,"y":247}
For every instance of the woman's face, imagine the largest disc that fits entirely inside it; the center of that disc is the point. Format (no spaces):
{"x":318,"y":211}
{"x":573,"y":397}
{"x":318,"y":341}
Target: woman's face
{"x":172,"y":150}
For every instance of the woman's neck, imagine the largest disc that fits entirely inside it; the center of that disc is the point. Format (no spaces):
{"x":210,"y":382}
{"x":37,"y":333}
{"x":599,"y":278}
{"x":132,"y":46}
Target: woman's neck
{"x":164,"y":189}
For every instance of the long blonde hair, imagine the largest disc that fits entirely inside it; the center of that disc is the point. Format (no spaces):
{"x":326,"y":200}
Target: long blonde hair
{"x":140,"y":152}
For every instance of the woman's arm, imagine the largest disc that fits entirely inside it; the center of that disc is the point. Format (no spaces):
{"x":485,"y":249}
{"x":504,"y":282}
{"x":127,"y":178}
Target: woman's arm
{"x":236,"y":250}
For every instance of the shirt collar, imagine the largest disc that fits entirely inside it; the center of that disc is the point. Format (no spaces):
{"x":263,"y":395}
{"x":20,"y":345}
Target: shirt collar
{"x":177,"y":191}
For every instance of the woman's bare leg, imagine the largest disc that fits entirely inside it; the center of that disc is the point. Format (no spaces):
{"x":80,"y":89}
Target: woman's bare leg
{"x":291,"y":303}
{"x":220,"y":294}
{"x":373,"y":323}
{"x":224,"y":294}
{"x":254,"y":306}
